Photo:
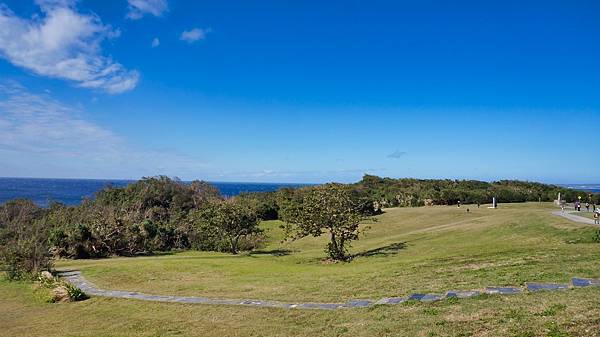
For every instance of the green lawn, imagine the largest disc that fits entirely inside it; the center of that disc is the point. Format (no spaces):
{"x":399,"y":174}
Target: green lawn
{"x":407,"y":250}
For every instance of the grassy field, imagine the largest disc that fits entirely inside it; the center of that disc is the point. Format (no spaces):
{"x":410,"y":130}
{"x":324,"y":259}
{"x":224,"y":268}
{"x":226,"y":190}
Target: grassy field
{"x":407,"y":250}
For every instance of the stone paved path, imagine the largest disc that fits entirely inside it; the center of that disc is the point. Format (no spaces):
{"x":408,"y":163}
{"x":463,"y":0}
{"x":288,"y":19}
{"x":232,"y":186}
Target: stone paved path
{"x":573,"y":217}
{"x":75,"y":278}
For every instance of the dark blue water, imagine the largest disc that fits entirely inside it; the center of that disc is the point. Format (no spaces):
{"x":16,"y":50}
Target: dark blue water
{"x":72,"y":191}
{"x":594,"y":188}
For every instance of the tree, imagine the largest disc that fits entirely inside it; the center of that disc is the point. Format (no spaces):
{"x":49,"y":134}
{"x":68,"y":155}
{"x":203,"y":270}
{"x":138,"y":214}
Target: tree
{"x":228,"y":220}
{"x":327,"y":208}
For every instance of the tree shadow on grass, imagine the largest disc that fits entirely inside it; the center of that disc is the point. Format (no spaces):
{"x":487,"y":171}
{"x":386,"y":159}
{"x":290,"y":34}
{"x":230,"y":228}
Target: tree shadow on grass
{"x":272,"y":252}
{"x":391,"y":249}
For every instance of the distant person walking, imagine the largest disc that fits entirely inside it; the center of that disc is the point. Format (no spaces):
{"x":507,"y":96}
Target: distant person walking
{"x":562,"y":208}
{"x":459,"y":203}
{"x":587,"y":206}
{"x":596,"y":218}
{"x":478,"y":204}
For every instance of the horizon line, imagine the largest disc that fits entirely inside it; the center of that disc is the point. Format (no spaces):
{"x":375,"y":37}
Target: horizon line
{"x":298,"y":183}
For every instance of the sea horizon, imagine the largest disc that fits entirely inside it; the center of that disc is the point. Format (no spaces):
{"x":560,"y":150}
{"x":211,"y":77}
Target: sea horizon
{"x":72,"y":191}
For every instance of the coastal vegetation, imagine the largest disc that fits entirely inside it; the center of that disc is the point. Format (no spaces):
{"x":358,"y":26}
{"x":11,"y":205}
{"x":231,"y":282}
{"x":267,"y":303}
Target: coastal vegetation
{"x":406,"y":192}
{"x":161,"y":214}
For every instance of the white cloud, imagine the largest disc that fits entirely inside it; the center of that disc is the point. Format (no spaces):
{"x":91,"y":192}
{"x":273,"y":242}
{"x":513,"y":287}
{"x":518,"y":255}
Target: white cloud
{"x":38,"y":124}
{"x":194,"y":35}
{"x":139,"y":8}
{"x":155,"y":42}
{"x":40,"y":136}
{"x":63,"y":43}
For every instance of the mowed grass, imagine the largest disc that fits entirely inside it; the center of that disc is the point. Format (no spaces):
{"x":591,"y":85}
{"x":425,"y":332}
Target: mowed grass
{"x":407,"y":250}
{"x":565,"y":313}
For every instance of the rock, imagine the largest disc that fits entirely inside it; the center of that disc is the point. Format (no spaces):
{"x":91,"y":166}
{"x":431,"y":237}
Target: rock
{"x":60,"y":294}
{"x":46,"y":274}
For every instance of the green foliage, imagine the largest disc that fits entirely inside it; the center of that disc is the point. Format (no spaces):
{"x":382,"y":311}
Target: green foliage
{"x":149,"y":215}
{"x":45,"y":282}
{"x":75,"y":294}
{"x":24,"y":250}
{"x":264,"y":204}
{"x":418,"y":192}
{"x":229,"y":221}
{"x":330,"y":208}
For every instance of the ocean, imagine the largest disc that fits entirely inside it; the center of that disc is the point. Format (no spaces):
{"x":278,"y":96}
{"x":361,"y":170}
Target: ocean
{"x":43,"y":191}
{"x":593,"y":188}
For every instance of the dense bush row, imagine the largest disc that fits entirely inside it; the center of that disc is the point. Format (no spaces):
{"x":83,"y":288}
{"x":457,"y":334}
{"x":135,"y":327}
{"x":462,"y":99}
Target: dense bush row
{"x":389,"y":192}
{"x":153,"y":214}
{"x":163,"y":214}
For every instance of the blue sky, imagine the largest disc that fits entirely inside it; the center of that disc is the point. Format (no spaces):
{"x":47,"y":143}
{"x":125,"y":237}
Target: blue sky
{"x":300,"y":91}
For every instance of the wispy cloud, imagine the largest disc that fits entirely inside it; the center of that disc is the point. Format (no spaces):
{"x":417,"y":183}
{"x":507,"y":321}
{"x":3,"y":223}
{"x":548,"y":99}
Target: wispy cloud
{"x":155,"y":42}
{"x":138,"y":8}
{"x":64,"y":43}
{"x":40,"y":136}
{"x":271,"y":175}
{"x":193,"y":35}
{"x":38,"y":124}
{"x":396,"y":154}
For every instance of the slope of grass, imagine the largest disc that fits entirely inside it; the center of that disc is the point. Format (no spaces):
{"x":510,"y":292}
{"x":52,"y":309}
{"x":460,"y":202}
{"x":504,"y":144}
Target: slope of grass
{"x":406,"y":250}
{"x":566,"y":313}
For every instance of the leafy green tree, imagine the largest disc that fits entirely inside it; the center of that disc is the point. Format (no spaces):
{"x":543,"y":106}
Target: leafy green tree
{"x":228,"y":220}
{"x":329,"y":209}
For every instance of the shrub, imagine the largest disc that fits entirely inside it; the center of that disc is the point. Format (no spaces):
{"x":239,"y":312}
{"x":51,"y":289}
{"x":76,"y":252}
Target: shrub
{"x":227,"y":223}
{"x":24,"y":250}
{"x":75,"y":294}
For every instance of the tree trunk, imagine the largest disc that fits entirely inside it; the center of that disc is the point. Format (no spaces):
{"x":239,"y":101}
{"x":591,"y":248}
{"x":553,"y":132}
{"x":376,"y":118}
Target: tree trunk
{"x":335,"y":251}
{"x":233,"y":242}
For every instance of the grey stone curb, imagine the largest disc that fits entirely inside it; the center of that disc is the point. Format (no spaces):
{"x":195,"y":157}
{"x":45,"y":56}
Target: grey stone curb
{"x":75,"y":278}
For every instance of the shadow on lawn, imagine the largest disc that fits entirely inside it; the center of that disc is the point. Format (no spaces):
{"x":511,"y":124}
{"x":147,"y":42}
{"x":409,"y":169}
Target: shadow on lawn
{"x":391,"y":249}
{"x":272,"y":252}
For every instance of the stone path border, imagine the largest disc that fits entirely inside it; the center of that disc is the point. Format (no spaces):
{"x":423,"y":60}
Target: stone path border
{"x":75,"y":278}
{"x":573,"y":217}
